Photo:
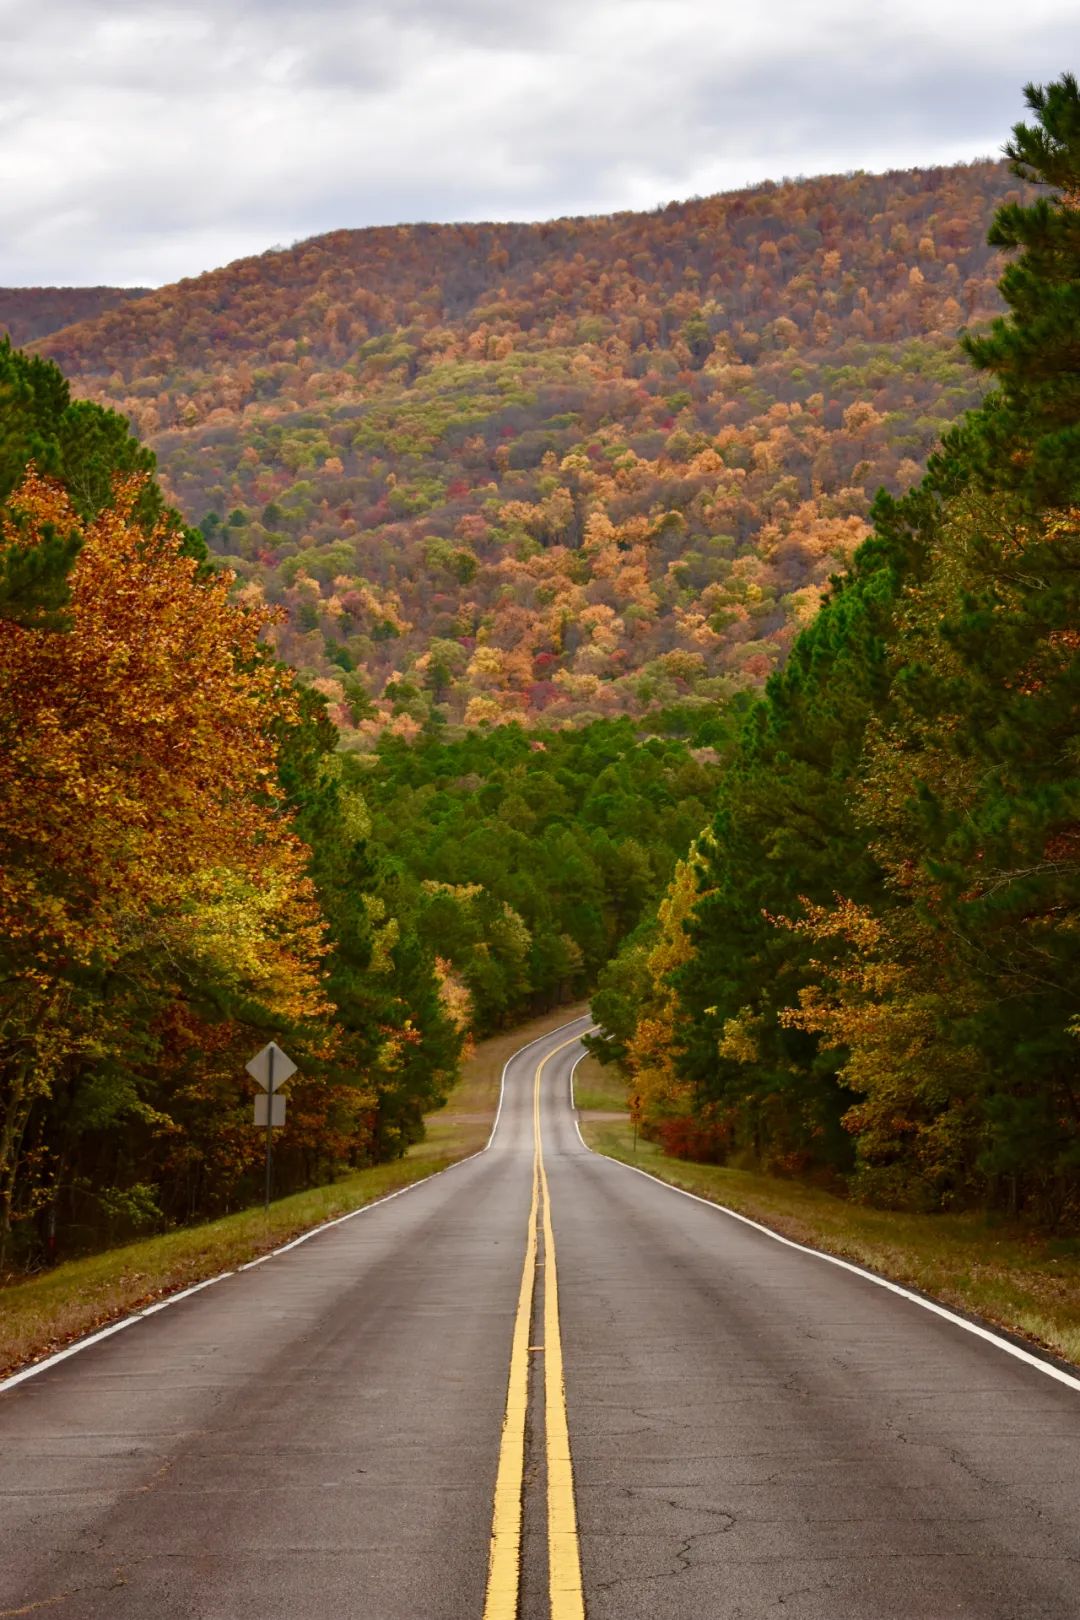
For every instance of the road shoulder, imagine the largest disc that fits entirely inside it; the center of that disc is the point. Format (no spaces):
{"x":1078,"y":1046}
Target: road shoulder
{"x":1001,"y":1273}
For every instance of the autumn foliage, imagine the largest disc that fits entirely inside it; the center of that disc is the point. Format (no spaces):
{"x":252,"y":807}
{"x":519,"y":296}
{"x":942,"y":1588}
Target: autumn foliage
{"x":27,"y":313}
{"x":554,"y":472}
{"x":138,"y":769}
{"x":191,"y":865}
{"x":183,"y":871}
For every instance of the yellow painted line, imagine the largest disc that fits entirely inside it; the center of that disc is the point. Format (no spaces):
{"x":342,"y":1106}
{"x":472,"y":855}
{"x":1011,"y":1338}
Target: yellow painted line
{"x":504,"y":1561}
{"x":564,"y":1555}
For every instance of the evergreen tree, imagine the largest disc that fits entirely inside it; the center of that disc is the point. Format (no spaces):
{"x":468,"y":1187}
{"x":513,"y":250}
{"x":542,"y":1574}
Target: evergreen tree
{"x":85,"y":448}
{"x":393,"y":1030}
{"x":785,"y":832}
{"x":1027,"y":436}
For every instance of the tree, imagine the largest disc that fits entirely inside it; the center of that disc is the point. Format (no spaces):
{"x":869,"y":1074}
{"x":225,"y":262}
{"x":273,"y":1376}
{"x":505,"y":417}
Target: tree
{"x":1028,"y":435}
{"x":395,"y":1036}
{"x":84,"y":448}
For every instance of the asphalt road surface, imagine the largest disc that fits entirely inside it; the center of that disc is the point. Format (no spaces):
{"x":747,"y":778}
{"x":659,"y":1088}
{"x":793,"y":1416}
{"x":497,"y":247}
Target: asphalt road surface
{"x":754,"y":1432}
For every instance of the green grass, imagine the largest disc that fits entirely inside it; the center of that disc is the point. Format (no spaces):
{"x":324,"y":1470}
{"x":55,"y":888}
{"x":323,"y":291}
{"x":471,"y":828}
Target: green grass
{"x":39,"y":1315}
{"x":1002,"y":1271}
{"x":599,"y":1088}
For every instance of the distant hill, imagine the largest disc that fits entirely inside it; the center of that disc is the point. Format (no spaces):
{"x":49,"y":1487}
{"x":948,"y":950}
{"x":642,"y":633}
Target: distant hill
{"x":27,"y":313}
{"x":585,"y":467}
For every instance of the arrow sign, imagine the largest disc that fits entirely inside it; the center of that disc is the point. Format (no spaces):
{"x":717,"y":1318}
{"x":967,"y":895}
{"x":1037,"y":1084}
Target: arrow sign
{"x":271,"y":1067}
{"x":276,"y":1105}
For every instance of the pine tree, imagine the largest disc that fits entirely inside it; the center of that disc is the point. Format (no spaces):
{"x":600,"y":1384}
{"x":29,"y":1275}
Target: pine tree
{"x":1027,"y":436}
{"x":85,"y":448}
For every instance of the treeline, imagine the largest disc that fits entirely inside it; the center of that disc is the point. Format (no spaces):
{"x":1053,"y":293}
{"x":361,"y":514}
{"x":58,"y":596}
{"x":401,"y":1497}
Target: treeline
{"x":563,"y":471}
{"x":870,"y":968}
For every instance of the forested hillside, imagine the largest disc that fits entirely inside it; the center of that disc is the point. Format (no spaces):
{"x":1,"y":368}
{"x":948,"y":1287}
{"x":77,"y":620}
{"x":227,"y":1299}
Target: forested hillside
{"x":557,"y":471}
{"x":870,"y":968}
{"x":27,"y":313}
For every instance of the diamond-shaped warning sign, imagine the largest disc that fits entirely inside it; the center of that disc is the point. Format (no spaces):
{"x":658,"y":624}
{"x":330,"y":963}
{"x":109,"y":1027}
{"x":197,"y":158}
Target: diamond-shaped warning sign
{"x":271,"y":1067}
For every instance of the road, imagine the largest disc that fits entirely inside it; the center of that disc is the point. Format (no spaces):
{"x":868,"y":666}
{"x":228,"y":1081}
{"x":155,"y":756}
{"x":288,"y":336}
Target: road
{"x":754,"y":1432}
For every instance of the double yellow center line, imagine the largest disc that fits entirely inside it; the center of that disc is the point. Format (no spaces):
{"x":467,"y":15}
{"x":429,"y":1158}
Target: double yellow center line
{"x":564,"y":1557}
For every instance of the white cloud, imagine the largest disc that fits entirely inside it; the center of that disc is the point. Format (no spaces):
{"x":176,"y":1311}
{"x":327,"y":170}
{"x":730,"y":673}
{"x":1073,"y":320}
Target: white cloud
{"x":145,"y":141}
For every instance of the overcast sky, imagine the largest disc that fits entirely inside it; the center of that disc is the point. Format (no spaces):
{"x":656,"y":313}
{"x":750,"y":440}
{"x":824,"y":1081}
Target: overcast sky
{"x":144,"y":140}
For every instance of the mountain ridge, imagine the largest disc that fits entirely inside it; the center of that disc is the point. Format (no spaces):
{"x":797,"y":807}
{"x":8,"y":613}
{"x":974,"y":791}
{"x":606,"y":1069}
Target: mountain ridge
{"x":30,"y":313}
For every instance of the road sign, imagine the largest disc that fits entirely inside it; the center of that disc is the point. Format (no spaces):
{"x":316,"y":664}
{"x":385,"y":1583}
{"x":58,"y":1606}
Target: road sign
{"x":277,"y":1109}
{"x":271,"y":1067}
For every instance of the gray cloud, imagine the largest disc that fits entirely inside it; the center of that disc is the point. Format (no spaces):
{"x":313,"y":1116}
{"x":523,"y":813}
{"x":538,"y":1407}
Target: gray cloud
{"x":140,"y":142}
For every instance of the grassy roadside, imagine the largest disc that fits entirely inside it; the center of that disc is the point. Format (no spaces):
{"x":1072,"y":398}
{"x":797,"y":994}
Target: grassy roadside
{"x":599,"y":1088}
{"x":42,"y":1314}
{"x":1023,"y":1281}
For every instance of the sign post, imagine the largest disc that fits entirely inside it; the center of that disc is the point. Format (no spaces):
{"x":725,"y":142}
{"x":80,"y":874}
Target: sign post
{"x":270,"y":1100}
{"x":270,"y":1069}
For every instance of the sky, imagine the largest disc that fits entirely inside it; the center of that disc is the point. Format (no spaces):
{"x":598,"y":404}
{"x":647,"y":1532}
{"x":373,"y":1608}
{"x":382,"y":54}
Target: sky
{"x":145,"y":140}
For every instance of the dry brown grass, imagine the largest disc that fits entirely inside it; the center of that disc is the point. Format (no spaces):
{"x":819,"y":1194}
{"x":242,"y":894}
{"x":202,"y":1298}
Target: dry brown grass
{"x":1021,"y":1280}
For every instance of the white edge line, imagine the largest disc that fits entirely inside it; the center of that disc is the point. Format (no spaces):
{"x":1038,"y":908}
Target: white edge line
{"x":1040,"y":1365}
{"x":183,"y":1293}
{"x":71,"y":1350}
{"x":208,"y":1282}
{"x":573,"y":1102}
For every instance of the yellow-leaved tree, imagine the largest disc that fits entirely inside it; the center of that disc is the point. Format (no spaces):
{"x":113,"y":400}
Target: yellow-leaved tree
{"x":660,"y":1101}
